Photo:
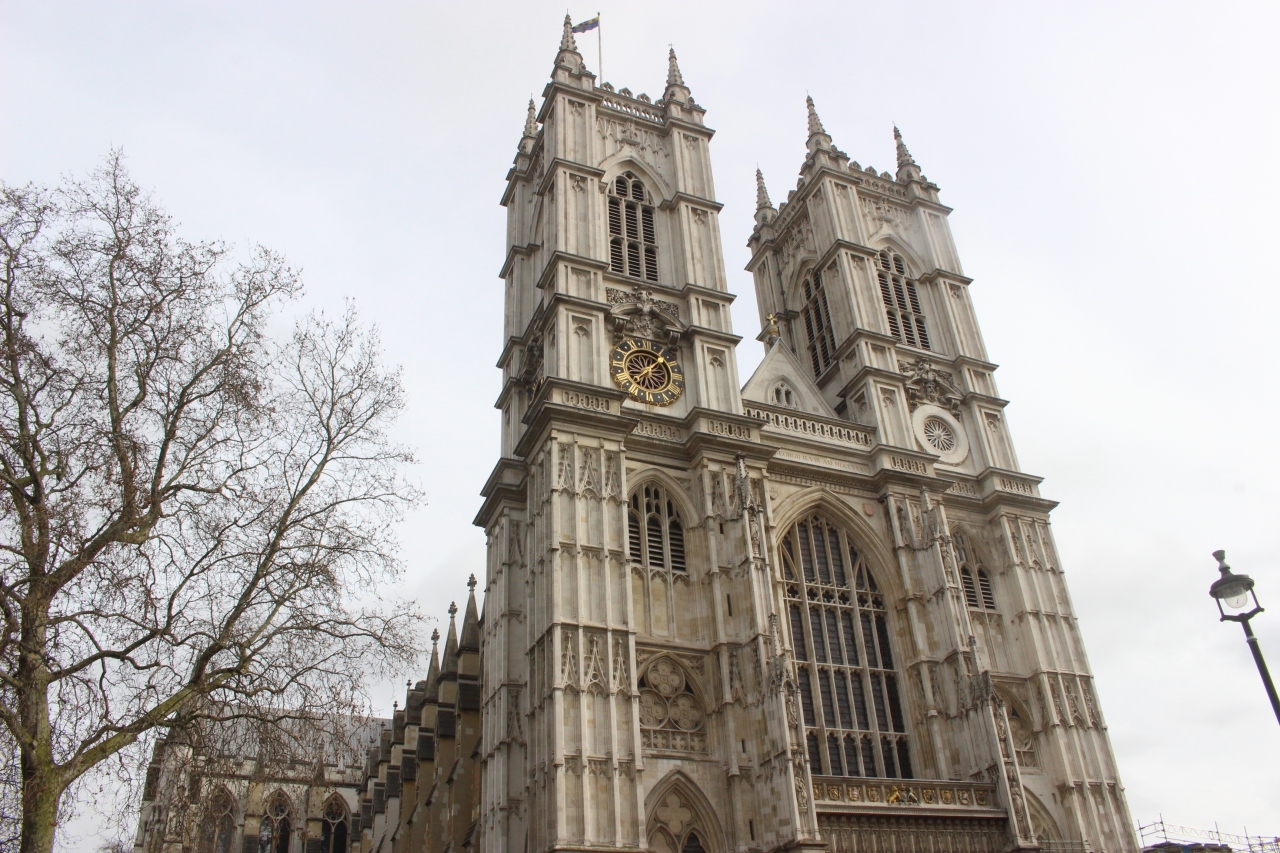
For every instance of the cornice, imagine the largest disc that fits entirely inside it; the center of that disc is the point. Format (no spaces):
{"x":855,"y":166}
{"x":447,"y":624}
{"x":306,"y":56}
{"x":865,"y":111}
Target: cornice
{"x":505,"y":485}
{"x":694,"y":200}
{"x":556,"y":164}
{"x":554,"y":87}
{"x":690,"y":290}
{"x":728,"y":338}
{"x":938,"y":273}
{"x":526,"y":250}
{"x":560,"y":256}
{"x":596,"y":406}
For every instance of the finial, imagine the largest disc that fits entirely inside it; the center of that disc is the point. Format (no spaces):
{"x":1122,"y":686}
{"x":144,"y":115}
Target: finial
{"x":453,"y":609}
{"x":674,"y":77}
{"x":771,"y":331}
{"x":471,"y":583}
{"x":435,"y":637}
{"x":531,"y":121}
{"x":815,"y":123}
{"x":904,"y":156}
{"x":566,"y":40}
{"x":762,"y":194}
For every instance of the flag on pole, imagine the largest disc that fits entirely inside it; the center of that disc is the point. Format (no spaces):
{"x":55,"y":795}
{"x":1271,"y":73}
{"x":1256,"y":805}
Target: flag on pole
{"x":587,"y":25}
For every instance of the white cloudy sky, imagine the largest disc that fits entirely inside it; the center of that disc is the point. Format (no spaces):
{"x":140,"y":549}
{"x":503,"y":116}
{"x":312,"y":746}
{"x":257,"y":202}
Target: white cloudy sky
{"x":1113,"y":172}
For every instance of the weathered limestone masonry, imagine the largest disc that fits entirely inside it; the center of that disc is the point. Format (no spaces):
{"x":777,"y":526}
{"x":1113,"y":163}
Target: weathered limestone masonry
{"x":822,"y":611}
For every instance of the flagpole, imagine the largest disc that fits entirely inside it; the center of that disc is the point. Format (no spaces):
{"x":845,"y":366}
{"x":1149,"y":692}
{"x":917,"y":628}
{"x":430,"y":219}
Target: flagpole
{"x":600,"y":48}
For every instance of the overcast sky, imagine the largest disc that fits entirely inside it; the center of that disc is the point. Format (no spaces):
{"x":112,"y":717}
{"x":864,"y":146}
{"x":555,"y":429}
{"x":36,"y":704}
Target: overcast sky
{"x":1113,"y":174}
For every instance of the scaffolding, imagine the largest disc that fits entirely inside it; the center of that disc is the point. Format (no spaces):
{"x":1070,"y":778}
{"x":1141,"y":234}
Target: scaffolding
{"x":1158,"y":832}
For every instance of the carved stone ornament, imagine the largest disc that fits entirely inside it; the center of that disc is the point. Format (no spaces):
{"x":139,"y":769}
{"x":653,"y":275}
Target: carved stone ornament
{"x":636,"y":314}
{"x":926,"y":384}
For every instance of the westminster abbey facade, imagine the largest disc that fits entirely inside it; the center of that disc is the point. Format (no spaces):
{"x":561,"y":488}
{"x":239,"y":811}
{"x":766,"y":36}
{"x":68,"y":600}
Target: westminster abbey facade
{"x":818,"y":610}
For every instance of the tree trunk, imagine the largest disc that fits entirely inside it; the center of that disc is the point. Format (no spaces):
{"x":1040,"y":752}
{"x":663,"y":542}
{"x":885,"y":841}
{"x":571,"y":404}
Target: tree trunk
{"x":39,"y":815}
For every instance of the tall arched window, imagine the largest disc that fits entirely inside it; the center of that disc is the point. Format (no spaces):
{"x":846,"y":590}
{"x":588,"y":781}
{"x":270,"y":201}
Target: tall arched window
{"x":817,"y":323}
{"x":657,"y":536}
{"x":853,"y":714}
{"x":901,"y":302}
{"x":334,"y":836}
{"x":274,"y":832}
{"x":218,"y":825}
{"x":633,"y":242}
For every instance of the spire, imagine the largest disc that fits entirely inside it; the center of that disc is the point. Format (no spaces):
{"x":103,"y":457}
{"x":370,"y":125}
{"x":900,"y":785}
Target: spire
{"x":764,"y":207}
{"x":450,"y":662}
{"x":470,"y":640}
{"x":433,"y":672}
{"x":676,"y":92}
{"x":566,"y":41}
{"x":904,"y":156}
{"x":531,"y":121}
{"x":674,"y":78}
{"x":815,"y":123}
{"x":907,"y":169}
{"x":762,"y":194}
{"x":530,"y":129}
{"x":819,"y":140}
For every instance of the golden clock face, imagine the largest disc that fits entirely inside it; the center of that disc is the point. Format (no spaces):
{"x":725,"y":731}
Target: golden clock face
{"x":647,"y":371}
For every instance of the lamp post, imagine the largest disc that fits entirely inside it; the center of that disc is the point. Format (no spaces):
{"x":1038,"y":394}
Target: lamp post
{"x":1237,"y":602}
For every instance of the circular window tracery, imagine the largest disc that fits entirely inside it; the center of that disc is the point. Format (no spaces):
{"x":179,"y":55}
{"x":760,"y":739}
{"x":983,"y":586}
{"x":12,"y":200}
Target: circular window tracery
{"x":939,"y":435}
{"x":671,"y":717}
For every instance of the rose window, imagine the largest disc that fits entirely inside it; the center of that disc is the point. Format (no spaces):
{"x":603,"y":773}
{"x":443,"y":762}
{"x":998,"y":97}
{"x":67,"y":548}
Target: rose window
{"x":671,"y":717}
{"x":939,"y":435}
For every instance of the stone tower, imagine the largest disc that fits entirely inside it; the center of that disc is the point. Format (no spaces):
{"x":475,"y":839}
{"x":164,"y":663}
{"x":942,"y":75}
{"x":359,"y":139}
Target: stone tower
{"x":809,"y":612}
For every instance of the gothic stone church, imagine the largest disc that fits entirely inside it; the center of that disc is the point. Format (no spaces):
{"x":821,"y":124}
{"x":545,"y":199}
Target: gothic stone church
{"x":821,"y":610}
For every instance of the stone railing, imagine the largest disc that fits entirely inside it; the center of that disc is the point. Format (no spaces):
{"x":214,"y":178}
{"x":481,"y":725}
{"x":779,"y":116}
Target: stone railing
{"x":907,"y":793}
{"x":633,"y":109}
{"x":810,"y":426}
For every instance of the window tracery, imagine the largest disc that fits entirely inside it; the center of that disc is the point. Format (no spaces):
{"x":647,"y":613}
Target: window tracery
{"x":334,"y":833}
{"x":671,"y":717}
{"x":784,"y":396}
{"x":979,"y":594}
{"x":817,"y":323}
{"x":633,"y":242}
{"x":655,"y":531}
{"x":853,"y":714}
{"x":274,"y":831}
{"x":656,"y":540}
{"x":218,"y":824}
{"x":901,"y":301}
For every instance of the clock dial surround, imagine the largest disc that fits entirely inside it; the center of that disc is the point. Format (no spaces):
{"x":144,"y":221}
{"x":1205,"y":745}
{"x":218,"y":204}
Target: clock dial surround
{"x":648,"y":371}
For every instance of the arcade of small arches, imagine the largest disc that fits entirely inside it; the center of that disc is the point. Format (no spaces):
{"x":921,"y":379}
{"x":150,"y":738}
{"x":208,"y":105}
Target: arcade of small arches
{"x":278,"y":829}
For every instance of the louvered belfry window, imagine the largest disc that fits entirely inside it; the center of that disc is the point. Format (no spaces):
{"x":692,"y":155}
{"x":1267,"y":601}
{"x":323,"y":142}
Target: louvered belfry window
{"x":633,"y":242}
{"x":854,"y":720}
{"x":901,"y":302}
{"x":978,"y":591}
{"x":817,"y":324}
{"x":654,"y":529}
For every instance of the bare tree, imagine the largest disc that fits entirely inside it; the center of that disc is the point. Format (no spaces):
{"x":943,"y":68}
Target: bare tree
{"x":196,"y":518}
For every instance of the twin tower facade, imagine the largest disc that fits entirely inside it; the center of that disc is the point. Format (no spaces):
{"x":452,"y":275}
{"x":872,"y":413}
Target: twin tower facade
{"x":821,"y":610}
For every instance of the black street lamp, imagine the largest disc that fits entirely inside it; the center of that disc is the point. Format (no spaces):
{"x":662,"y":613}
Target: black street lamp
{"x":1237,"y":602}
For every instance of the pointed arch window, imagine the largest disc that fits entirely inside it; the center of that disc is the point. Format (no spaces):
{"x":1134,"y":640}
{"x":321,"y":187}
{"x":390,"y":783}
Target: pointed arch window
{"x":335,"y":833}
{"x":275,"y":831}
{"x":848,"y":682}
{"x":901,"y":301}
{"x":655,"y":531}
{"x":633,"y":240}
{"x":817,"y":323}
{"x":218,"y":824}
{"x":979,"y":594}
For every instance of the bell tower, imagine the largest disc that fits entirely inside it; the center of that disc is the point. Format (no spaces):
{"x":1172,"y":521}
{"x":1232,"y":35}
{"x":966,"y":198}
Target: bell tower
{"x":634,"y":684}
{"x":868,"y":321}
